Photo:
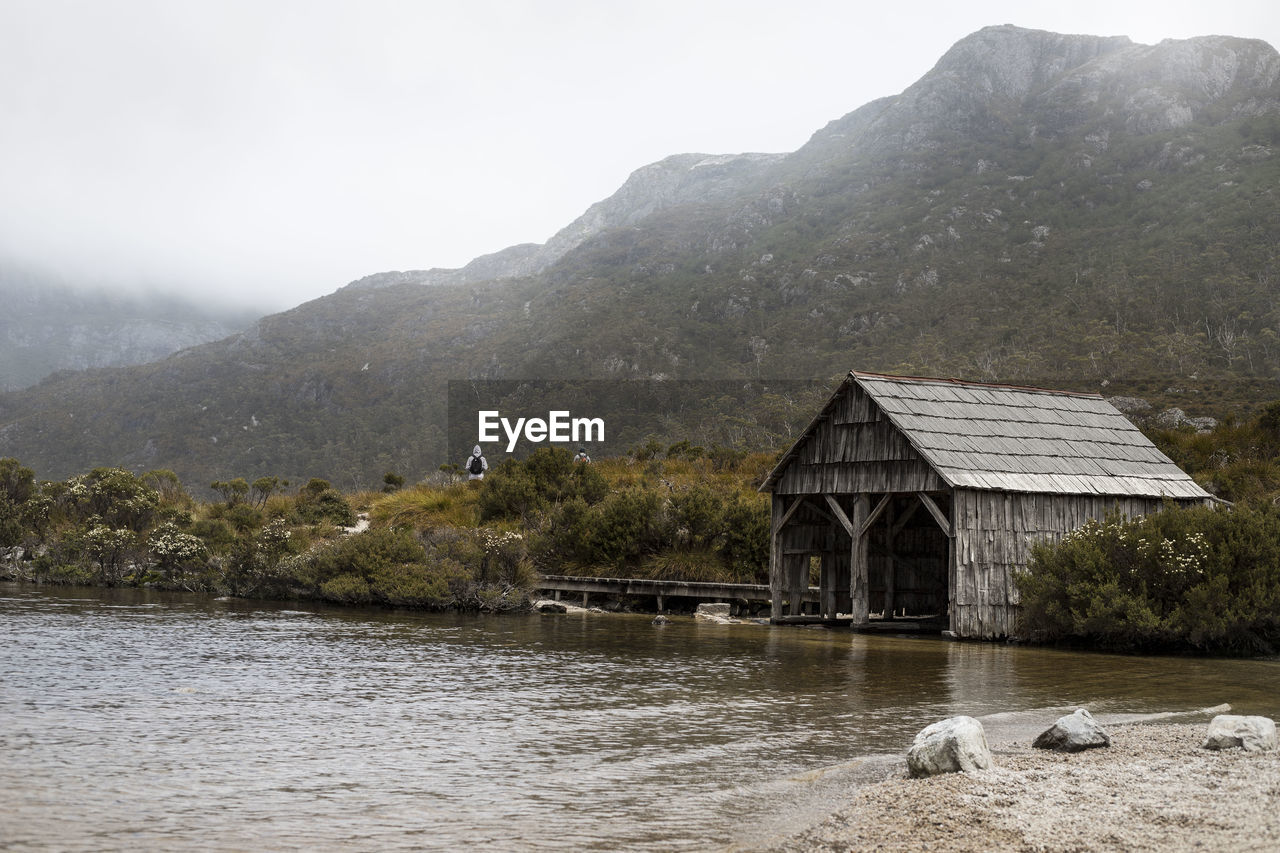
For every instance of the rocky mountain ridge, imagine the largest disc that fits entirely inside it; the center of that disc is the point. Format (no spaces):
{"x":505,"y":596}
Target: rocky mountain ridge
{"x":678,"y":179}
{"x":1058,"y":210}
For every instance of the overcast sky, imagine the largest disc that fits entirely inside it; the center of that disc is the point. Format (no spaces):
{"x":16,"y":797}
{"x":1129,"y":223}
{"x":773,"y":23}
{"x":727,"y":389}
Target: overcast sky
{"x":270,"y":151}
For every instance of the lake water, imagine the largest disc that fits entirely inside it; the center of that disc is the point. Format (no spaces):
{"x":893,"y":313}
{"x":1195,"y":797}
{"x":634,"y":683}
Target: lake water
{"x":143,"y":720}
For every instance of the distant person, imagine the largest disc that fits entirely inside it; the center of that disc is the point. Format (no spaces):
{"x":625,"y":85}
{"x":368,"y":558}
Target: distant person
{"x":475,"y":465}
{"x":582,"y":456}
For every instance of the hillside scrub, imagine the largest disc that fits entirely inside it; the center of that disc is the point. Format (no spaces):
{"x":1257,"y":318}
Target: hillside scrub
{"x":1195,"y":580}
{"x":694,"y":515}
{"x":112,"y":528}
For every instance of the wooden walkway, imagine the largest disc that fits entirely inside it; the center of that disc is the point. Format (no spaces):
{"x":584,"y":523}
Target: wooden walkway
{"x":662,"y":590}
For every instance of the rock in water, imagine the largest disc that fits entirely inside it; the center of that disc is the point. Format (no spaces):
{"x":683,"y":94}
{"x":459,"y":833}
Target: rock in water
{"x":1073,"y":733}
{"x":949,"y":746}
{"x":1228,"y":731}
{"x":660,"y":620}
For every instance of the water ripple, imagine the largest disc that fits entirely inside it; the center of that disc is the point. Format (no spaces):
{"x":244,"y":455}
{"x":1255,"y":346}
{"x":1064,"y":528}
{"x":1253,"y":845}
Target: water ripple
{"x":137,"y":720}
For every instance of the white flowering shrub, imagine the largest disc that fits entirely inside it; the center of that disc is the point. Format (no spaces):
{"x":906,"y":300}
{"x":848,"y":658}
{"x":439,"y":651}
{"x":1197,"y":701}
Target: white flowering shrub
{"x":1181,"y":579}
{"x":108,"y":548}
{"x":171,"y":548}
{"x":114,"y":495}
{"x":505,"y":562}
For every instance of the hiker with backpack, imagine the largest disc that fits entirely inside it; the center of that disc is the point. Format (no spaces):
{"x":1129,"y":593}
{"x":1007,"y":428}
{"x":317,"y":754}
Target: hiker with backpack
{"x":475,"y":465}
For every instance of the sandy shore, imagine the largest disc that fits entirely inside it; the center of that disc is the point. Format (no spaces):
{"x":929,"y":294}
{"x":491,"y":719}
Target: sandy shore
{"x":1153,"y":789}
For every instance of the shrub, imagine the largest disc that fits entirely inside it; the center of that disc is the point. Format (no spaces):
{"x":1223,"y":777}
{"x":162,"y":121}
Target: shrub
{"x":109,"y":549}
{"x":550,"y":476}
{"x":746,"y":539}
{"x":433,"y":586}
{"x":362,"y":554}
{"x":627,"y":525}
{"x":1199,"y":579}
{"x":233,"y":491}
{"x":346,"y":589}
{"x":698,"y":516}
{"x":172,"y":548}
{"x":316,"y":506}
{"x":115,"y":496}
{"x":216,"y":534}
{"x":169,"y":487}
{"x":505,"y":561}
{"x":17,"y":483}
{"x":12,"y":530}
{"x":243,"y":518}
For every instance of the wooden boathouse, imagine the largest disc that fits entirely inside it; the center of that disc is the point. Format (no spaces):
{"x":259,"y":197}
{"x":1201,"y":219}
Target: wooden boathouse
{"x":914,"y":497}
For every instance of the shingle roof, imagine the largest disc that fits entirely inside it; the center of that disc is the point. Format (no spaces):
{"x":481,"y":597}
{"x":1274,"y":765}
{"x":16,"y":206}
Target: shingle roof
{"x":1007,"y":438}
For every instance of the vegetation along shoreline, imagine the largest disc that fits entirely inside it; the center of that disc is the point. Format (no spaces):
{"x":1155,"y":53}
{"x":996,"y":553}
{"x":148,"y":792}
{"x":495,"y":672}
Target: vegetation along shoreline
{"x":1202,"y":580}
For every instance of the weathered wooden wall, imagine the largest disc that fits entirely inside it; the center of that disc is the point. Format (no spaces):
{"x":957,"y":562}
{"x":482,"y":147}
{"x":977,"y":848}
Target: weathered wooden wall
{"x":856,"y":449}
{"x":994,"y":535}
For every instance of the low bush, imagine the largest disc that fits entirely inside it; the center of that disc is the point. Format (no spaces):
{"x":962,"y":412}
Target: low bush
{"x":1202,"y":579}
{"x":324,"y":505}
{"x":550,"y":476}
{"x":462,"y":569}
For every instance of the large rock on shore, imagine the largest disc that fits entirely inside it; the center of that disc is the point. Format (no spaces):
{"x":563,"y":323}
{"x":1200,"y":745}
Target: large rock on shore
{"x":550,"y":607}
{"x":714,"y":612}
{"x":1229,"y":731}
{"x":949,"y":746}
{"x":1073,"y":733}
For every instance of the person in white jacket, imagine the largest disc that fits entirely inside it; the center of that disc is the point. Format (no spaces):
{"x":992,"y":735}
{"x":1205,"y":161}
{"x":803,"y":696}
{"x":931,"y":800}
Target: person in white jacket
{"x":475,"y":465}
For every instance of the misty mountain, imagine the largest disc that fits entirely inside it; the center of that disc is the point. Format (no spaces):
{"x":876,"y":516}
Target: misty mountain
{"x":47,"y":326}
{"x":1039,"y":208}
{"x":678,"y":179}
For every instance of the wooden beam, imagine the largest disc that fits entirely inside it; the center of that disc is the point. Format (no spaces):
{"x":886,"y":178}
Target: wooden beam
{"x":906,"y":516}
{"x":840,"y":516}
{"x":786,"y":516}
{"x":875,"y":514}
{"x":815,"y":508}
{"x":937,"y":514}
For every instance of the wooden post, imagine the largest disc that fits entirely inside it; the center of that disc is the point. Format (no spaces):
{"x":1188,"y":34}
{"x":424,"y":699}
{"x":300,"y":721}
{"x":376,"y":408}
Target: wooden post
{"x":830,"y":576}
{"x":585,"y":597}
{"x":798,"y":577}
{"x":659,"y":602}
{"x":775,"y":560}
{"x":888,"y":565}
{"x":858,"y":585}
{"x":953,"y":565}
